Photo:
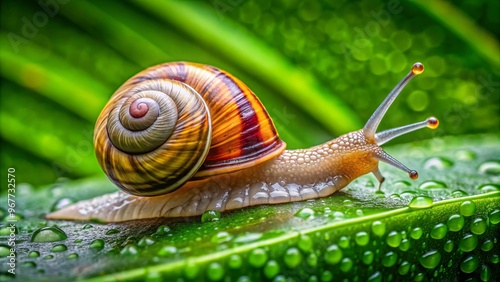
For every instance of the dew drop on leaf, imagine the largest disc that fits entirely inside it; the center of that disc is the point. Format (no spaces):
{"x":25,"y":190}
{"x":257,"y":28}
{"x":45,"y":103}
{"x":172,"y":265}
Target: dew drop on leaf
{"x":61,"y":203}
{"x":490,"y":167}
{"x":421,"y":202}
{"x":305,"y":213}
{"x":455,"y":222}
{"x":210,"y":215}
{"x":467,"y":208}
{"x":430,"y":259}
{"x":257,"y":258}
{"x":487,"y":188}
{"x":293,"y":257}
{"x":495,"y":217}
{"x":367,"y":257}
{"x":469,"y":264}
{"x":394,"y":239}
{"x":432,"y":185}
{"x":97,"y":244}
{"x":439,"y":231}
{"x":48,"y":234}
{"x":478,"y":226}
{"x":438,"y":163}
{"x":59,"y":248}
{"x":468,"y":242}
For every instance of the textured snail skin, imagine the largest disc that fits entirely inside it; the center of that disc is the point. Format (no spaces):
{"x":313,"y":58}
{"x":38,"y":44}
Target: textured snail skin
{"x":295,"y":175}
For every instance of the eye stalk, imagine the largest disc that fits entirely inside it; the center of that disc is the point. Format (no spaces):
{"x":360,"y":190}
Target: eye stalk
{"x":380,"y":138}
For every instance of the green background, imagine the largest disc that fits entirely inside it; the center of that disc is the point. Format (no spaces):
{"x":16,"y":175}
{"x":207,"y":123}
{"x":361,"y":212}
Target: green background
{"x":320,"y":67}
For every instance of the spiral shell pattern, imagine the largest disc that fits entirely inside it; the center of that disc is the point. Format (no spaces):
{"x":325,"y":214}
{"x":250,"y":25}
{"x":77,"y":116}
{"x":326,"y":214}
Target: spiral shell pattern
{"x":176,"y":121}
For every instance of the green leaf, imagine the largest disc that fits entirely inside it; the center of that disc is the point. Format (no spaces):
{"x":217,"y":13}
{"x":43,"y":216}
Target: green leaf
{"x":442,"y":226}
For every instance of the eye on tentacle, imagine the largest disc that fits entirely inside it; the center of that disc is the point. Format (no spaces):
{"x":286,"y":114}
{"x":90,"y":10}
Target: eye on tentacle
{"x":380,"y":138}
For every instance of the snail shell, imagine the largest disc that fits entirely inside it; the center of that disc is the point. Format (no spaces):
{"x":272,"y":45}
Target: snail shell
{"x":178,"y":121}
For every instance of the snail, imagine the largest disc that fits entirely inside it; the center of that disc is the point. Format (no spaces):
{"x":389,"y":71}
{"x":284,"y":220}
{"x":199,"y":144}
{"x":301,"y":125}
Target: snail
{"x":182,"y":138}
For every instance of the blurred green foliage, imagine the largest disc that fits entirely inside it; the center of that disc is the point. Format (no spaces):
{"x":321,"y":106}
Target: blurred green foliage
{"x":320,"y":67}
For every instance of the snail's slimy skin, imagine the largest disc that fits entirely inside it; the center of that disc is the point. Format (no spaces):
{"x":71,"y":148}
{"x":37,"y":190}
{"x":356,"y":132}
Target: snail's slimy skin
{"x":295,"y":175}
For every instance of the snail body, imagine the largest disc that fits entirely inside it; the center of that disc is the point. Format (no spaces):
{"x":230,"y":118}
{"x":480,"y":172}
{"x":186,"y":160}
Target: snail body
{"x":236,"y":159}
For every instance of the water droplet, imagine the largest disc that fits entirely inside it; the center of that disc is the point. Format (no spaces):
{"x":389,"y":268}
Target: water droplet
{"x":333,"y":254}
{"x":495,"y":217}
{"x":215,"y":271}
{"x":465,"y":155}
{"x":222,"y":237}
{"x":129,"y":249}
{"x":97,"y":244}
{"x":312,"y":260}
{"x":48,"y":257}
{"x":61,"y":203}
{"x":210,"y":215}
{"x":87,"y":226}
{"x":28,"y":264}
{"x":438,"y":163}
{"x":394,"y":239}
{"x":430,"y":259}
{"x":495,"y":259}
{"x":191,"y":270}
{"x":32,"y":254}
{"x":401,"y":184}
{"x":248,"y":237}
{"x":367,"y":257}
{"x":145,"y":241}
{"x":235,"y":261}
{"x":7,"y":230}
{"x":59,"y":248}
{"x":459,"y":193}
{"x":293,"y":257}
{"x":257,"y":258}
{"x":487,"y":188}
{"x":5,"y":251}
{"x":432,"y":185}
{"x":48,"y":234}
{"x":490,"y":167}
{"x":271,"y":269}
{"x":346,"y":265}
{"x":73,"y":256}
{"x":468,"y":208}
{"x":404,"y":267}
{"x":343,"y":242}
{"x":487,"y":245}
{"x":485,"y":273}
{"x":416,"y":233}
{"x":455,"y":222}
{"x":478,"y":226}
{"x":439,"y":231}
{"x":305,"y":213}
{"x":167,"y":251}
{"x":421,"y":202}
{"x":469,"y":264}
{"x":389,"y":259}
{"x":162,"y":230}
{"x":305,"y":243}
{"x":468,"y":243}
{"x":405,"y":245}
{"x":448,"y":246}
{"x":375,"y":277}
{"x":112,"y":231}
{"x":362,"y":238}
{"x":395,"y":196}
{"x":378,"y":228}
{"x":326,"y":275}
